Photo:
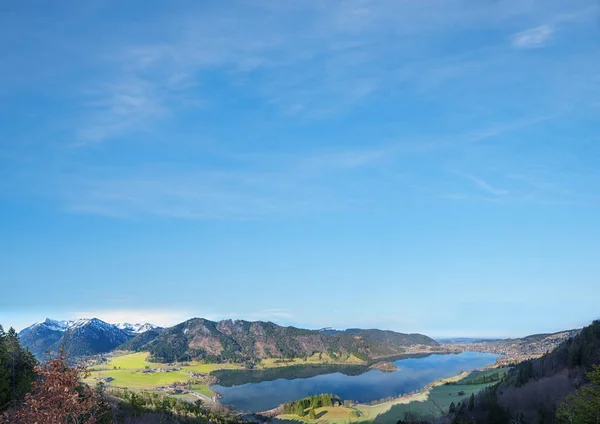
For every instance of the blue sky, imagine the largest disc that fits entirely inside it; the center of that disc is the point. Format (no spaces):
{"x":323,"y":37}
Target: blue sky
{"x":423,"y":166}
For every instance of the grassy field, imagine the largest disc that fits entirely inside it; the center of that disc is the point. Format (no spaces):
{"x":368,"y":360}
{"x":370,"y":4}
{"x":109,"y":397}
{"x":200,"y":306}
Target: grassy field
{"x":186,"y":398}
{"x":126,"y":372}
{"x":316,"y":359}
{"x":139,"y":361}
{"x":131,"y":361}
{"x":202,"y":389}
{"x":137,"y":380}
{"x":330,"y":415}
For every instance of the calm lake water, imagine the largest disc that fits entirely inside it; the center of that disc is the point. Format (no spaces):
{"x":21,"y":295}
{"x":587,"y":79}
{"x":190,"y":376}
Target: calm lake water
{"x":367,"y":386}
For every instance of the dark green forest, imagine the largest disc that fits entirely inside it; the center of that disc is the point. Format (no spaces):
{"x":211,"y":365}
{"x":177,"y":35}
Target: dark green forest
{"x":156,"y":407}
{"x":16,"y":369}
{"x":299,"y":407}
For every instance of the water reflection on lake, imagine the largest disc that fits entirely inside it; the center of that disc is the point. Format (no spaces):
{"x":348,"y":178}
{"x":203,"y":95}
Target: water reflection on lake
{"x":412,"y":374}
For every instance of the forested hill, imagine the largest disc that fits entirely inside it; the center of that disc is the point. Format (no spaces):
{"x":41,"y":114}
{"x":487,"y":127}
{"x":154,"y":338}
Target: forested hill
{"x":534,"y":389}
{"x":199,"y":338}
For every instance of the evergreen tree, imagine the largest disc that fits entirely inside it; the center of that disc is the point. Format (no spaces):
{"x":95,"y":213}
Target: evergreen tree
{"x":584,"y":406}
{"x":311,"y":414}
{"x":16,"y":369}
{"x":472,"y":402}
{"x":452,"y":408}
{"x":4,"y":373}
{"x":21,"y":365}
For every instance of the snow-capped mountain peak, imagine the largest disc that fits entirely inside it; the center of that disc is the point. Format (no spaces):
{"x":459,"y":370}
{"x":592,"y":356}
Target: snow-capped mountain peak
{"x":136,"y":328}
{"x":64,"y":325}
{"x":54,"y":325}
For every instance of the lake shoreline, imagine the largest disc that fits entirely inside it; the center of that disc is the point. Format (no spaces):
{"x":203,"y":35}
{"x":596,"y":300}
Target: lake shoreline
{"x":241,"y":390}
{"x":369,"y":411}
{"x":422,"y":395}
{"x":229,"y":378}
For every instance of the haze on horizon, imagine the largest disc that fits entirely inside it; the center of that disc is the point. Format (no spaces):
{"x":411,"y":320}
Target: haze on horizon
{"x":419,"y":166}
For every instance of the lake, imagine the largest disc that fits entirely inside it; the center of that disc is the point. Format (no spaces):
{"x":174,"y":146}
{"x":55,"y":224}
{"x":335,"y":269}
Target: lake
{"x":254,"y":391}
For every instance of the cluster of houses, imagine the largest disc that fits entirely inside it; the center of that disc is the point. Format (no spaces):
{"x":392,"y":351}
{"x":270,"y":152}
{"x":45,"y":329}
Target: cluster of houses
{"x":176,"y":389}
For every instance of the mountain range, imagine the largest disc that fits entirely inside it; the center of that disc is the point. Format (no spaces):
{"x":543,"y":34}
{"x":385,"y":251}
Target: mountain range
{"x":200,"y":338}
{"x":80,"y":337}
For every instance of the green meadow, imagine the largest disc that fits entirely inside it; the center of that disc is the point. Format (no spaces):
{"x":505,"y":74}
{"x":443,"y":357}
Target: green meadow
{"x":137,"y":380}
{"x":132,"y":361}
{"x":202,"y":389}
{"x":126,"y":371}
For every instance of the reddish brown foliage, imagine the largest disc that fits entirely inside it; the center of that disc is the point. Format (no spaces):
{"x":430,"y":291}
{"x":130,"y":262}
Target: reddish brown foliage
{"x":58,"y":397}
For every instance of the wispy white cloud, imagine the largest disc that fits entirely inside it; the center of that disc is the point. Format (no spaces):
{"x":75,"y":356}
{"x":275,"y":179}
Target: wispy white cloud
{"x":255,"y":185}
{"x":533,"y":38}
{"x":484,"y":185}
{"x":339,"y":58}
{"x":300,"y":62}
{"x":117,"y":109}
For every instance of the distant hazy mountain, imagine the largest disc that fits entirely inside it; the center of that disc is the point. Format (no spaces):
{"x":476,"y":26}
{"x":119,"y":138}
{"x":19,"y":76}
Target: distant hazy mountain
{"x":81,"y":337}
{"x":136,"y":328}
{"x":201,"y":338}
{"x":465,"y":339}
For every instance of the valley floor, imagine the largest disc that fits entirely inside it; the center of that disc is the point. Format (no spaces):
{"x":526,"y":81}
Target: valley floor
{"x":134,"y":371}
{"x":192,"y":381}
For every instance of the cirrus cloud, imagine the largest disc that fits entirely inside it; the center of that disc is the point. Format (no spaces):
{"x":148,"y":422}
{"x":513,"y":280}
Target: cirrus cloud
{"x":533,"y":37}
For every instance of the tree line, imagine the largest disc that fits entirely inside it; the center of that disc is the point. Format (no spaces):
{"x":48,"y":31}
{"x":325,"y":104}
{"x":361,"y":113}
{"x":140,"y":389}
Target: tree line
{"x":17,"y":370}
{"x":150,"y":405}
{"x":299,"y":407}
{"x":478,"y":379}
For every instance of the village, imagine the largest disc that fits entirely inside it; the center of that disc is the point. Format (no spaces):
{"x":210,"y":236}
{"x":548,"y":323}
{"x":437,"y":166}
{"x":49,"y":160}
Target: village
{"x":514,"y":351}
{"x":178,"y":385}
